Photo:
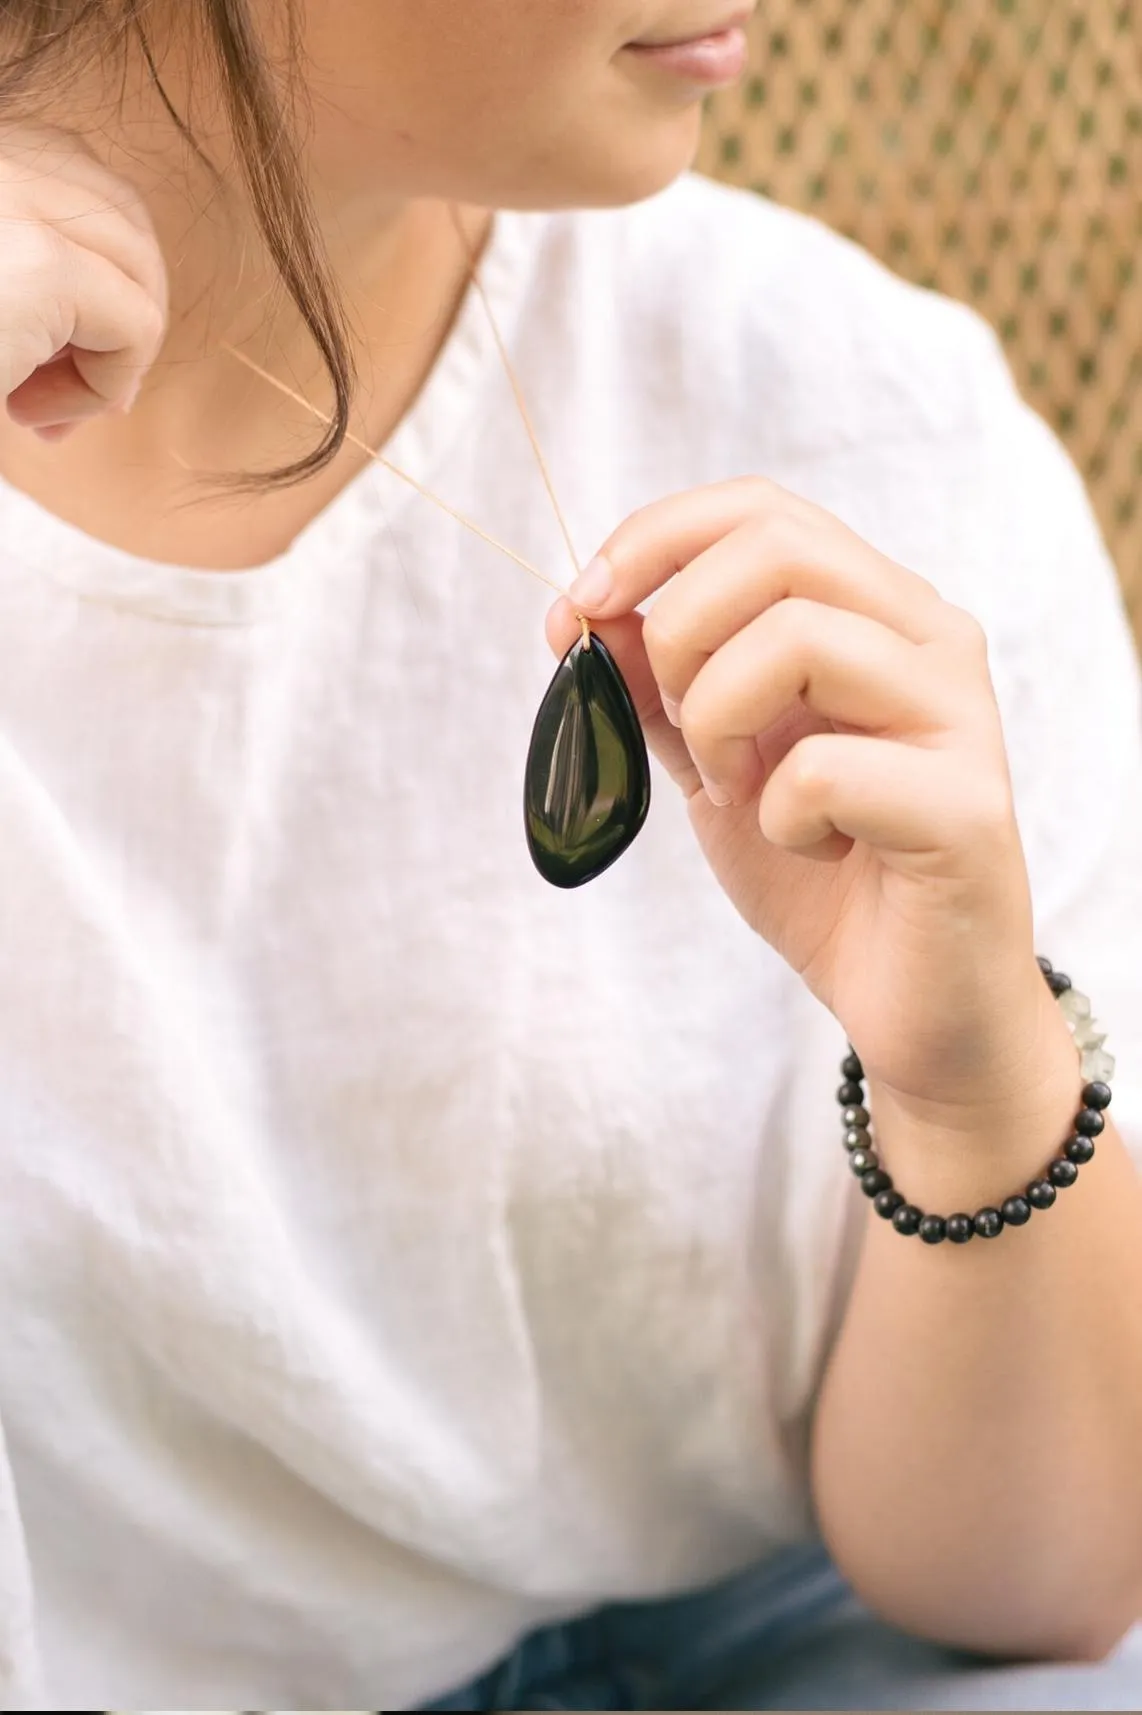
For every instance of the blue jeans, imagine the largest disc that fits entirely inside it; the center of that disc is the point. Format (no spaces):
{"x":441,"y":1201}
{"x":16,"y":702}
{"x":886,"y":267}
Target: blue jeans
{"x":788,"y":1635}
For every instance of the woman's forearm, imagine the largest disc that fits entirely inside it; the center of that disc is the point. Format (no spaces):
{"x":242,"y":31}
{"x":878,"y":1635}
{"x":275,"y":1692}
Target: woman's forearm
{"x":833,"y":724}
{"x":978,"y":1443}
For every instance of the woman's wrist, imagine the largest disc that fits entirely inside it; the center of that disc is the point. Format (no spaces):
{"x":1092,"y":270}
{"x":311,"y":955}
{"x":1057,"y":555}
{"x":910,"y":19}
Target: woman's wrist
{"x":1004,"y":1131}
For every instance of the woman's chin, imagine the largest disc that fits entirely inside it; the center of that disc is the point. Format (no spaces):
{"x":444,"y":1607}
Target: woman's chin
{"x":621,"y":170}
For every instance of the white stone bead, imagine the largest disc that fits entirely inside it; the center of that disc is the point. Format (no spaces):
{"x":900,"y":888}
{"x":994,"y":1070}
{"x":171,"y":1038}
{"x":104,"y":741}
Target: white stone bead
{"x":1097,"y":1066}
{"x":1075,"y":1006}
{"x":1088,"y":1038}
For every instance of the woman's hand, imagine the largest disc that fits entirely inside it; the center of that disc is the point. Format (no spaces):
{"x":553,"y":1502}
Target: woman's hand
{"x":83,"y":287}
{"x":832,"y":723}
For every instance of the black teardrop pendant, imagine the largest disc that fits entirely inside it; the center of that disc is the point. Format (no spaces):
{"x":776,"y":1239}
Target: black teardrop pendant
{"x":587,"y":788}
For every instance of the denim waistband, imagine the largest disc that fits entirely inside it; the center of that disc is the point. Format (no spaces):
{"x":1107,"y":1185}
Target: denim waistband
{"x":661,"y":1654}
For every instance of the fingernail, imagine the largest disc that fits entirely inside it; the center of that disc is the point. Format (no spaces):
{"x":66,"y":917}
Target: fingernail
{"x":716,"y":794}
{"x":55,"y":431}
{"x":593,"y":585}
{"x":671,"y":709}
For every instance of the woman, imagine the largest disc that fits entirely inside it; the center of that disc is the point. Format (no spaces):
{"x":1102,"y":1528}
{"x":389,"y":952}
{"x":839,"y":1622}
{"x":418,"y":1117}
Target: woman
{"x":402,"y":1257}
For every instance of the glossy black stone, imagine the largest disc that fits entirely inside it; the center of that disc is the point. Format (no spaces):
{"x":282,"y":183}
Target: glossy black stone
{"x":854,"y":1116}
{"x":1080,"y":1150}
{"x":988,"y":1223}
{"x":587,"y":787}
{"x":959,"y":1229}
{"x":1062,"y":1173}
{"x":1016,"y":1212}
{"x":1057,"y":982}
{"x":1041,"y":1193}
{"x":875,"y":1181}
{"x":933,"y":1229}
{"x":852,"y":1068}
{"x":864,"y":1161}
{"x":887,"y":1203}
{"x":857,"y":1137}
{"x":1090,"y":1123}
{"x":850,"y":1094}
{"x":907,"y":1219}
{"x":1096,"y":1095}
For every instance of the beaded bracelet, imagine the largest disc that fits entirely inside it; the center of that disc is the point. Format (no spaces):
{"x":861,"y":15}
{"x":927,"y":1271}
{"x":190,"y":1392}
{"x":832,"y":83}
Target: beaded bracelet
{"x":1096,"y":1065}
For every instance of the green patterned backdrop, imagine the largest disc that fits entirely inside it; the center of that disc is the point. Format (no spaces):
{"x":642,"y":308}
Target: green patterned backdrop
{"x":993,"y":149}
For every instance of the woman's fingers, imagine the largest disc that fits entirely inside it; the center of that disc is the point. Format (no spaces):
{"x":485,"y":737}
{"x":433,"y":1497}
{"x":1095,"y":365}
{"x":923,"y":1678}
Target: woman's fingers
{"x":83,"y":288}
{"x":738,"y":547}
{"x":119,"y":328}
{"x":848,"y":670}
{"x":779,"y":626}
{"x":113,"y":226}
{"x":898,"y":798}
{"x":795,"y":668}
{"x":55,"y":399}
{"x":113,"y":326}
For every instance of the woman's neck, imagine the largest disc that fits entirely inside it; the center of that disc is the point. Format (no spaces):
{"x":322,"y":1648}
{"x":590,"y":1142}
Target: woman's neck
{"x":402,"y":270}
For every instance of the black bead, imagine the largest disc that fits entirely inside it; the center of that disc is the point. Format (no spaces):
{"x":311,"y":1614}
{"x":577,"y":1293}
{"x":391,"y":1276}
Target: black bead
{"x":587,"y":784}
{"x":1041,"y":1193}
{"x":849,"y":1095}
{"x":1096,"y":1095}
{"x":875,"y":1181}
{"x":863,"y":1161}
{"x":1058,"y":983}
{"x":1080,"y":1150}
{"x":959,"y":1229}
{"x":887,"y":1203}
{"x":1045,"y":966}
{"x":933,"y":1229}
{"x":907,"y":1219}
{"x":1062,"y":1173}
{"x":854,"y":1116}
{"x":1090,"y":1123}
{"x":857,"y":1138}
{"x":852,"y":1069}
{"x":1016,"y":1212}
{"x":988,"y":1223}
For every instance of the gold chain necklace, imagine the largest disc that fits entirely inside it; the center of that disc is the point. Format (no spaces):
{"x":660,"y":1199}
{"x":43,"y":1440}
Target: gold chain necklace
{"x":587,"y":776}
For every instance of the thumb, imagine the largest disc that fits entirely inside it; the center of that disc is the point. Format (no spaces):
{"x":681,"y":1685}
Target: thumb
{"x":53,"y":393}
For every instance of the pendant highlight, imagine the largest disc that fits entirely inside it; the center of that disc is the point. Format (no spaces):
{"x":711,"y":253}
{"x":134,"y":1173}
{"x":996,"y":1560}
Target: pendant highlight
{"x":587,"y":787}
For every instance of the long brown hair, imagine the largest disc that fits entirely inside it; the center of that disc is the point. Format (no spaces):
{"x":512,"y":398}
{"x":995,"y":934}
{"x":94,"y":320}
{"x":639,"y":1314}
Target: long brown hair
{"x":40,"y":37}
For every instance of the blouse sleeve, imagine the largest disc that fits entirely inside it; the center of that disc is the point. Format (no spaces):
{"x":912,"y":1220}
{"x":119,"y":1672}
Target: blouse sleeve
{"x":1066,"y":674}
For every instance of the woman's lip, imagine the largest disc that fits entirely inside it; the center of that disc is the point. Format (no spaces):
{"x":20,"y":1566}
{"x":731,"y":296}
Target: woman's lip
{"x":714,"y":59}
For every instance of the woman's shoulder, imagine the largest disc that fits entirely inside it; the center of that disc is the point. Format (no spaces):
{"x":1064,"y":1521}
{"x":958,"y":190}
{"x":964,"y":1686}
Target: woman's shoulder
{"x":748,"y":300}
